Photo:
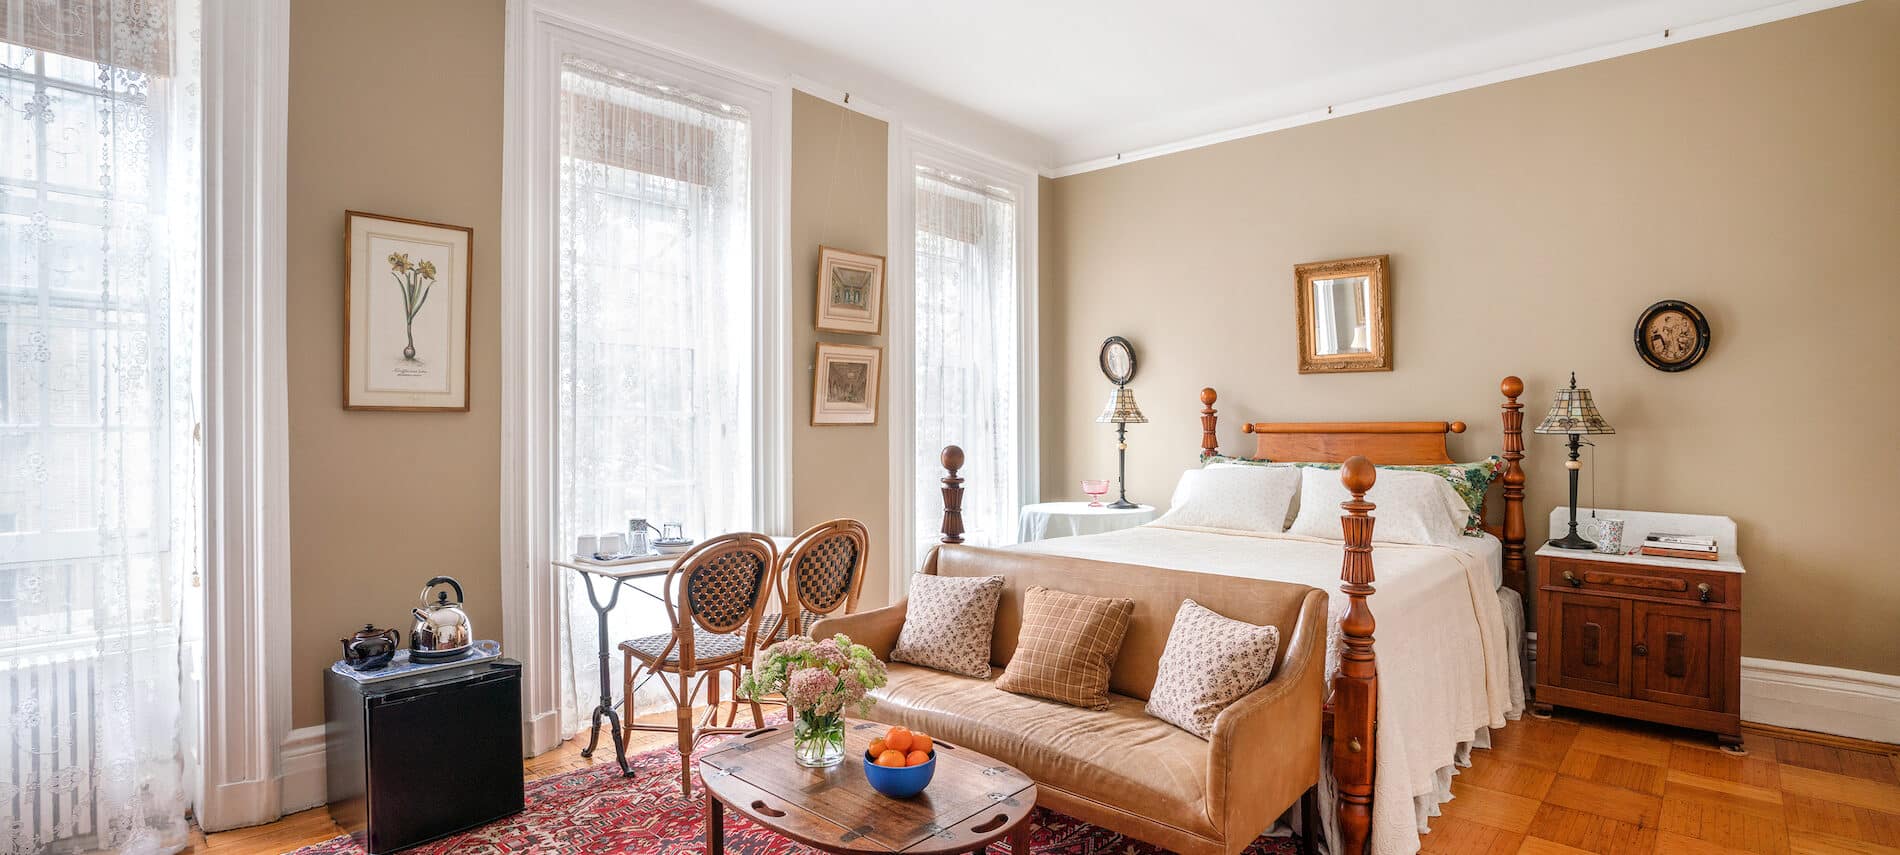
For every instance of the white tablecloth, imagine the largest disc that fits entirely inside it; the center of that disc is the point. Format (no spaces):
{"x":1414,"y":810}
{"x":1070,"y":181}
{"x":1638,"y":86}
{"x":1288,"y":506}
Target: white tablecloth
{"x":1045,"y":520}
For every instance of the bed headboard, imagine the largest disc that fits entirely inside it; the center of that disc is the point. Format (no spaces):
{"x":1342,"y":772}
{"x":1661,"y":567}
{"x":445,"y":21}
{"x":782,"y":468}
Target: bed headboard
{"x":1399,"y":444}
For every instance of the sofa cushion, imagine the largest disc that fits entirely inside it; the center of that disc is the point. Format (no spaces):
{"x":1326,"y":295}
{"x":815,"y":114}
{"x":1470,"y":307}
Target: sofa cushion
{"x":1067,"y":647}
{"x":1210,"y":661}
{"x":1119,"y":756}
{"x":948,"y":623}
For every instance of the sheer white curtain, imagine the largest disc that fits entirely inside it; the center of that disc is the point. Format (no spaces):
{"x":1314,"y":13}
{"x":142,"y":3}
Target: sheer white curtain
{"x":100,"y":390}
{"x":968,"y":354}
{"x":656,"y":320}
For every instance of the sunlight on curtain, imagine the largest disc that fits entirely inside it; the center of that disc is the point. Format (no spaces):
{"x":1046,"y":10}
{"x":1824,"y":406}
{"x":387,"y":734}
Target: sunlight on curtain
{"x":100,"y":395}
{"x":656,"y":343}
{"x":968,"y":354}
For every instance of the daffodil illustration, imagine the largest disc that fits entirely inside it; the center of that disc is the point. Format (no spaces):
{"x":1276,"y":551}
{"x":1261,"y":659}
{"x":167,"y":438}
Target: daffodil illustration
{"x":415,"y":280}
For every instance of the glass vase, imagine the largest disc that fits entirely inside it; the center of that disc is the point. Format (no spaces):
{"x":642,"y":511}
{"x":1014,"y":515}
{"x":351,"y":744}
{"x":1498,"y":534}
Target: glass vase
{"x":818,"y":740}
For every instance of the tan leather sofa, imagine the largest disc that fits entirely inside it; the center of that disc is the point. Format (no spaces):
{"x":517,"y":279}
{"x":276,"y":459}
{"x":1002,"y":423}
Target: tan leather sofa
{"x":1120,"y":768}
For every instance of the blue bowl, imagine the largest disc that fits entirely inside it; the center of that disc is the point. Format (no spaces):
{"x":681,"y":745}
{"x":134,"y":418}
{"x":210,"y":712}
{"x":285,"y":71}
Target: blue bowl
{"x":900,"y":782}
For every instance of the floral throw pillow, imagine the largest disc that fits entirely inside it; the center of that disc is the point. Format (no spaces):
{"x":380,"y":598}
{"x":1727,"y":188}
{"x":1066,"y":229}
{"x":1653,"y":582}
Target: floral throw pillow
{"x":947,"y":624}
{"x":1210,"y":662}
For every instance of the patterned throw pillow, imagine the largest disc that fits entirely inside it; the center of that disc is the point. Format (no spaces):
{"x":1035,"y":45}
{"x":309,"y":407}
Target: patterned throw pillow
{"x":1209,"y":459}
{"x":1469,"y":480}
{"x":1067,"y":647}
{"x":1210,"y":661}
{"x":947,"y":625}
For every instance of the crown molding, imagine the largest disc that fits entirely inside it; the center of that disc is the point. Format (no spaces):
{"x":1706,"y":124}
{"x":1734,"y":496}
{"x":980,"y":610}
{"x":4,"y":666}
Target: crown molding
{"x":1187,"y":135}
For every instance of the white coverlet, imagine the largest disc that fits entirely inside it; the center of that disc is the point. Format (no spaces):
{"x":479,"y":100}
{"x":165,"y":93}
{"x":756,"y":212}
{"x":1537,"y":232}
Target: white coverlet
{"x":1447,"y":668}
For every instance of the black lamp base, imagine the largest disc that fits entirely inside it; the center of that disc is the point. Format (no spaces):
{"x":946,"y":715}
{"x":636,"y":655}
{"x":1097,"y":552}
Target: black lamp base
{"x":1572,"y":540}
{"x":1122,"y":505}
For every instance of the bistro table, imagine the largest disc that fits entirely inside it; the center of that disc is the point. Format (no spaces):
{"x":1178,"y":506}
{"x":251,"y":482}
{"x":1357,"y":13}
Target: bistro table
{"x":619,"y":576}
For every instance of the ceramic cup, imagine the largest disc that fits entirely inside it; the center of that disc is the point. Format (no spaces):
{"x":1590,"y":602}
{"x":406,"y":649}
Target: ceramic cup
{"x":1607,"y":532}
{"x":613,"y":543}
{"x":587,"y":544}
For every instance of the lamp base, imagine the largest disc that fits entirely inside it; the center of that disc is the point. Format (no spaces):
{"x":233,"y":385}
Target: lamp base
{"x":1122,"y":505}
{"x":1572,"y":540}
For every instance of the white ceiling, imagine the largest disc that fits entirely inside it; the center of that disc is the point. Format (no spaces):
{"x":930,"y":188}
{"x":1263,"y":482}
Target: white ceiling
{"x":1093,"y":78}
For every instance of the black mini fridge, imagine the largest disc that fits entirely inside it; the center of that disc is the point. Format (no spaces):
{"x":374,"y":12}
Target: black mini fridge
{"x":413,"y":758}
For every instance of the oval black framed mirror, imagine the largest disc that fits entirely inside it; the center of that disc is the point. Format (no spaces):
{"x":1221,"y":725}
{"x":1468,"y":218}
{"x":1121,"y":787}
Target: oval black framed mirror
{"x":1117,"y":360}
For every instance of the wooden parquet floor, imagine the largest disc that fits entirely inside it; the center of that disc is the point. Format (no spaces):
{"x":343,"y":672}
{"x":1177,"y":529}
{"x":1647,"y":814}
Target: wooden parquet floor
{"x":1576,"y":783}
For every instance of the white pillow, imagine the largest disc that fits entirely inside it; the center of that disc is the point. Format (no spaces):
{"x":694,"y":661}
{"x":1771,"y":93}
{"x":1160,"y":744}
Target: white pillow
{"x":1243,"y":498}
{"x":1292,"y":507}
{"x":1412,"y":507}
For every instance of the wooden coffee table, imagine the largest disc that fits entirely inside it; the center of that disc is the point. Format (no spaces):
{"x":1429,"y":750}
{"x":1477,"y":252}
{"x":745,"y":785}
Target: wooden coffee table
{"x":972,"y":801}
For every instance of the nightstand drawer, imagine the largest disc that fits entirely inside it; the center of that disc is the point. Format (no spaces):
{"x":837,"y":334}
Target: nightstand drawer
{"x":1664,"y":582}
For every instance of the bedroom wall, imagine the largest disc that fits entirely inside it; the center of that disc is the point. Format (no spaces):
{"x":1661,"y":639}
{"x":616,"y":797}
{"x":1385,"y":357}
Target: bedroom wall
{"x":839,"y":178}
{"x":1754,"y":174}
{"x":382,"y":501}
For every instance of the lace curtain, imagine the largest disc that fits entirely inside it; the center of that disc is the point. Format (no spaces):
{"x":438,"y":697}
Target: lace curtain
{"x":656,"y":343}
{"x":100,"y":394}
{"x":968,"y":354}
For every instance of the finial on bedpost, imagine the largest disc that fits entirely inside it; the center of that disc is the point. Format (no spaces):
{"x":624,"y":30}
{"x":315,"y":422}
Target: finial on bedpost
{"x":952,"y":495}
{"x":1210,"y":445}
{"x":1356,"y":688}
{"x":1514,"y":569}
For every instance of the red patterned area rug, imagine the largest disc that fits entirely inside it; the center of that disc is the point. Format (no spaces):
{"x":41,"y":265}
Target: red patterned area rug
{"x":596,"y":810}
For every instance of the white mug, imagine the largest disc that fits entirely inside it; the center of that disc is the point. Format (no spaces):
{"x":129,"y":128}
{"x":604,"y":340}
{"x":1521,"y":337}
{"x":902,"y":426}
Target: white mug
{"x":1607,"y":532}
{"x":613,"y":543}
{"x":587,"y":545}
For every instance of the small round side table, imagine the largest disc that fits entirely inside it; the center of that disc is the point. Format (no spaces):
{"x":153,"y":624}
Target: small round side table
{"x":1045,"y":520}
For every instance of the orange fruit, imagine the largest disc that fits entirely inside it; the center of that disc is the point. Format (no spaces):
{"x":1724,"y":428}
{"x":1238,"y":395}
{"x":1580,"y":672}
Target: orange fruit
{"x":877,"y":747}
{"x":916,"y":758}
{"x":920,"y":742}
{"x":899,"y":739}
{"x":893,"y":758}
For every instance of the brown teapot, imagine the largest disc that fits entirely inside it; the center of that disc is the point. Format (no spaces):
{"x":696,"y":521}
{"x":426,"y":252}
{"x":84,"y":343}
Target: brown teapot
{"x":370,"y":648}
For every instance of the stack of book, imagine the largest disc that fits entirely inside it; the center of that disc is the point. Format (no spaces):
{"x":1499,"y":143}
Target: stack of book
{"x":1665,"y":545}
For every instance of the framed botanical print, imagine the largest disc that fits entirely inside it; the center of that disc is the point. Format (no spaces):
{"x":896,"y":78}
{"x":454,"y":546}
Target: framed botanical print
{"x":850,"y":291}
{"x":844,"y":391}
{"x":405,"y":314}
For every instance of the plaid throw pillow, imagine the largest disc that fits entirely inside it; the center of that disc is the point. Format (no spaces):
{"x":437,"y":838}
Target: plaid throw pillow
{"x":1210,"y":661}
{"x":1067,"y":647}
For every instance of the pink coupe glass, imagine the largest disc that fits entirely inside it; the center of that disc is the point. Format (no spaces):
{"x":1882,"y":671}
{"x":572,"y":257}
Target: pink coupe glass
{"x":1096,"y":488}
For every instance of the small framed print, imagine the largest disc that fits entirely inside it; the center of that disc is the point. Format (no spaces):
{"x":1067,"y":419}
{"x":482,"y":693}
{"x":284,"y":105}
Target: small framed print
{"x":405,"y":314}
{"x":844,"y":390}
{"x":850,"y":291}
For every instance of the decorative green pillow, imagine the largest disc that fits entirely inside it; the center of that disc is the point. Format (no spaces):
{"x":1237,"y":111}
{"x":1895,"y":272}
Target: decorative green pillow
{"x":1468,"y":480}
{"x":1207,"y":459}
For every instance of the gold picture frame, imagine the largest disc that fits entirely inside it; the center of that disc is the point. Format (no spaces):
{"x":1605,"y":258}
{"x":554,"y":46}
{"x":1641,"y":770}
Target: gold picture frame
{"x":407,"y":318}
{"x":1343,"y":313}
{"x":850,"y":291}
{"x":844,"y":388}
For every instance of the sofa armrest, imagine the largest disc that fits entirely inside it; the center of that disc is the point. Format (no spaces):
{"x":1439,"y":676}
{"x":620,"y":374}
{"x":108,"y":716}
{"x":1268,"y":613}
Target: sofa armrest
{"x":1266,"y":746}
{"x":876,"y":629}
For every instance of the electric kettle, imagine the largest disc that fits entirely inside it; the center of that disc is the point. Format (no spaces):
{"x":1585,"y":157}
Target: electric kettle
{"x":441,"y":631}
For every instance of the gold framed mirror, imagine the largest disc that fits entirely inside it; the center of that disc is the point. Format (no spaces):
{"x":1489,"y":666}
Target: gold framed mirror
{"x":1343,"y":311}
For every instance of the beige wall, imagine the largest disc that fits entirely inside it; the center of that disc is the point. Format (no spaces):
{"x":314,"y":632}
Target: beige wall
{"x":1755,"y":174}
{"x":838,"y":199}
{"x":384,"y":121}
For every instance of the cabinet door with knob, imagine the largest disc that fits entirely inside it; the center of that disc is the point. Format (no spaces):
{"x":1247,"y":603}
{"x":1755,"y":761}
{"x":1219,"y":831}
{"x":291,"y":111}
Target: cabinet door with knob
{"x":1673,"y":652}
{"x":1593,"y":632}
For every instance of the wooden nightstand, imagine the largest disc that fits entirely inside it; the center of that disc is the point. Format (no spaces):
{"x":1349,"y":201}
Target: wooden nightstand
{"x":1657,"y":639}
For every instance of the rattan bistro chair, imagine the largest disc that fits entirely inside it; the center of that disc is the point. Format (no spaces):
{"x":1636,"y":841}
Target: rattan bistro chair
{"x":715,"y":598}
{"x":819,"y":574}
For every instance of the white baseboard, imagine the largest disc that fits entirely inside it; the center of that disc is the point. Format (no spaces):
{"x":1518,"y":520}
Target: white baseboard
{"x":541,"y":733}
{"x":302,"y":781}
{"x":1860,"y":704}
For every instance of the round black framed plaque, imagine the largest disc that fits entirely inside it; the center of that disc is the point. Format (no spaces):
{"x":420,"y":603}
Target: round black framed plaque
{"x":1117,"y":360}
{"x":1672,"y":336}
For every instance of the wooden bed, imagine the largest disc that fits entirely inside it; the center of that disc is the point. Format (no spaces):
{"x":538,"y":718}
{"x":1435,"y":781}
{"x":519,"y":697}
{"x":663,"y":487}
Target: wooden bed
{"x":1358,"y":446}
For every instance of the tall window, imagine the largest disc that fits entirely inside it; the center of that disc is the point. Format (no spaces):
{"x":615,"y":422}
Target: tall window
{"x":657,"y":327}
{"x":100,"y":391}
{"x":968,"y":352}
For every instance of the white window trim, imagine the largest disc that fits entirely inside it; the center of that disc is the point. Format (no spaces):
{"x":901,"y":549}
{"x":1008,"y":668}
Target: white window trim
{"x":245,"y":718}
{"x":911,"y":149}
{"x":536,"y":42}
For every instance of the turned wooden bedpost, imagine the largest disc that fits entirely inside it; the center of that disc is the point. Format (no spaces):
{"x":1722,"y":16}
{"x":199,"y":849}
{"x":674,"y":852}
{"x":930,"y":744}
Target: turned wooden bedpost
{"x":1514,"y":571}
{"x":1210,"y":445}
{"x":952,"y":495}
{"x":1356,"y":688}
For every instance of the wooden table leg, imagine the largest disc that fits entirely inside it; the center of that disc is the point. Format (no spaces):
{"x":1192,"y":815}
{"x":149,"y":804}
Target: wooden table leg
{"x":1019,"y":836}
{"x":715,"y":825}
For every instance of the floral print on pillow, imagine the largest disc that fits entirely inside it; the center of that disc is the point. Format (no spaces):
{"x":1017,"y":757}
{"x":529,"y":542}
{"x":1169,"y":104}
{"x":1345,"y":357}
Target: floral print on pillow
{"x":1210,"y":662}
{"x":947,"y":623}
